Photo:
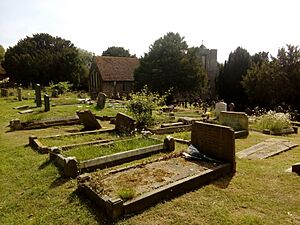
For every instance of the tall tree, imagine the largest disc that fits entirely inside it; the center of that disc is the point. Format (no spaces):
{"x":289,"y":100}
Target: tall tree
{"x":231,"y":75}
{"x":42,"y":59}
{"x":271,"y":83}
{"x":169,"y":65}
{"x":2,"y":53}
{"x":85,"y":59}
{"x":117,"y":52}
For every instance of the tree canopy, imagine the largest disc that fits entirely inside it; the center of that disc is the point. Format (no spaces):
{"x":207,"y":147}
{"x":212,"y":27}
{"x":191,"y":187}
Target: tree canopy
{"x":231,"y":75}
{"x":117,"y":52}
{"x":270,"y":83}
{"x":43,"y":59}
{"x":2,"y":53}
{"x":169,"y":64}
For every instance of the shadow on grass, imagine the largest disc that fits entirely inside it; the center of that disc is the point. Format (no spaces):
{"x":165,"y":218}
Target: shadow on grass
{"x":59,"y":181}
{"x":223,"y":182}
{"x":44,"y":164}
{"x":93,"y":208}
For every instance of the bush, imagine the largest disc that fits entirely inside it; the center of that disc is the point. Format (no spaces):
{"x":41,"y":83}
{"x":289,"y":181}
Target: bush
{"x":141,"y":105}
{"x":273,"y":121}
{"x":61,"y":87}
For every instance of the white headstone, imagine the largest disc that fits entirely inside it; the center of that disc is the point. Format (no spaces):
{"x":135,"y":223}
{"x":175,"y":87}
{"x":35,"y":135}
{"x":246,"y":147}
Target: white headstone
{"x":219,"y":107}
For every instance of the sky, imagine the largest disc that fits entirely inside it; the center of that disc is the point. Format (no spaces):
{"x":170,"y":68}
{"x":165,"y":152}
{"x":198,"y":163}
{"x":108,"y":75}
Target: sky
{"x":95,"y":25}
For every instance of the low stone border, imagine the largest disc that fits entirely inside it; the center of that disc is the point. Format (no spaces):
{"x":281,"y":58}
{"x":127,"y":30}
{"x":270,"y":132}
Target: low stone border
{"x":291,"y":130}
{"x":115,"y":208}
{"x":16,"y":124}
{"x":35,"y":142}
{"x":172,"y":129}
{"x":106,"y":161}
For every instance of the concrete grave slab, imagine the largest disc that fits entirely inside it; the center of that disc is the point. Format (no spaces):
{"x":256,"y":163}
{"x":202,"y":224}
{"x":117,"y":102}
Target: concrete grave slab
{"x":266,"y":149}
{"x":21,"y":107}
{"x":88,"y":120}
{"x":26,"y":111}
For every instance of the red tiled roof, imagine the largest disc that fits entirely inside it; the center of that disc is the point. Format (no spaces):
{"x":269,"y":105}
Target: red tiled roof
{"x":116,"y":68}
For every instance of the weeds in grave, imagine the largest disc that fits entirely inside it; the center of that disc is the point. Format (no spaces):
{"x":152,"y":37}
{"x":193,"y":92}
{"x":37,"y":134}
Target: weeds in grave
{"x":126,"y":193}
{"x":273,"y":121}
{"x":93,"y":151}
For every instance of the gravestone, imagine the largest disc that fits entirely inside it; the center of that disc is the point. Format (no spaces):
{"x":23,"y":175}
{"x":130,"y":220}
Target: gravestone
{"x":88,"y":120}
{"x":237,"y":120}
{"x":54,"y":93}
{"x":231,"y":106}
{"x":38,"y":95}
{"x":47,"y":103}
{"x":101,"y":98}
{"x":125,"y":124}
{"x":219,"y":107}
{"x":19,"y":93}
{"x":4,"y":92}
{"x":214,"y":141}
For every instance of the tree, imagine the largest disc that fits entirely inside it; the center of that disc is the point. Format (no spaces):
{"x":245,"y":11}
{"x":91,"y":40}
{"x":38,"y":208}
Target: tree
{"x":2,"y":53}
{"x":117,"y":52}
{"x":231,"y":76}
{"x":85,"y":59}
{"x":42,"y":59}
{"x":170,"y":65}
{"x":271,"y":83}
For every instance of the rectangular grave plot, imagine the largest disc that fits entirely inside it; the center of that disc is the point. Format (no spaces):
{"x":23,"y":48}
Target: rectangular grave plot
{"x":149,"y":183}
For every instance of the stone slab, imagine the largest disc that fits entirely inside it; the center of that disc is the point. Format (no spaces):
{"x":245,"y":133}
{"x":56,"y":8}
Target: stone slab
{"x":266,"y":149}
{"x":88,"y":120}
{"x":26,"y":111}
{"x":125,"y":123}
{"x":215,"y":141}
{"x":21,"y":107}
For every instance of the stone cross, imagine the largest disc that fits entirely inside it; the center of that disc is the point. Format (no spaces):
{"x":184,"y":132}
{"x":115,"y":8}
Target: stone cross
{"x":38,"y":95}
{"x":47,"y":103}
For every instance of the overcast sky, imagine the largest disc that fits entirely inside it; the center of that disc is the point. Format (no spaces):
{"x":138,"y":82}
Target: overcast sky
{"x":95,"y":25}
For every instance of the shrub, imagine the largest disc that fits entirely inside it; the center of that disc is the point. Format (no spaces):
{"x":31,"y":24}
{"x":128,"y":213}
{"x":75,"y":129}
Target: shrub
{"x":141,"y":105}
{"x":61,"y":87}
{"x":273,"y":121}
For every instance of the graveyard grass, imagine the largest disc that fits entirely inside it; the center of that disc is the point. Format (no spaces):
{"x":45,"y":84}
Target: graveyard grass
{"x":33,"y":192}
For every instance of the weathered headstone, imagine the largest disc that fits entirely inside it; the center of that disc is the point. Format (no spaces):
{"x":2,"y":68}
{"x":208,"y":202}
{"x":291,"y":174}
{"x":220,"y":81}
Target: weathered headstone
{"x":231,"y":106}
{"x":214,"y":141}
{"x":236,"y":120}
{"x":47,"y":103}
{"x":219,"y":107}
{"x":124,"y":123}
{"x":38,"y":95}
{"x":19,"y":93}
{"x":101,"y":98}
{"x":88,"y":120}
{"x":54,"y":93}
{"x":4,"y":92}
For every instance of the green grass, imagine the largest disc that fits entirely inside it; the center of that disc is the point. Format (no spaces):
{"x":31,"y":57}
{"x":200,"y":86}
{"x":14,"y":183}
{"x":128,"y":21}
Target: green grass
{"x":126,"y":193}
{"x":76,"y":139}
{"x":93,"y":151}
{"x":33,"y":192}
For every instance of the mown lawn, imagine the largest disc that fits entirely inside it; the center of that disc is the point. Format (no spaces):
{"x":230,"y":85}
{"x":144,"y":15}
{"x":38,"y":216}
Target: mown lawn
{"x":33,"y":192}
